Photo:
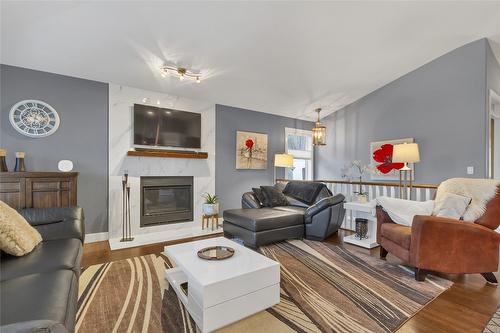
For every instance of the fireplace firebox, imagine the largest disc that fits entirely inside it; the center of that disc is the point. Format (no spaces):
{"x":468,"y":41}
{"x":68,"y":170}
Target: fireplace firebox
{"x":166,"y":200}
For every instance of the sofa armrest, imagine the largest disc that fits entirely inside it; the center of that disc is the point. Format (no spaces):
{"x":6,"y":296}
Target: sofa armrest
{"x":453,"y":246}
{"x":321,"y":205}
{"x":34,"y":326}
{"x":248,"y":200}
{"x":56,"y":223}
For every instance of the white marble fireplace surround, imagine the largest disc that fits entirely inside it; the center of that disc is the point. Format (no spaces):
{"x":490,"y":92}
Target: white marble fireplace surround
{"x":121,"y":101}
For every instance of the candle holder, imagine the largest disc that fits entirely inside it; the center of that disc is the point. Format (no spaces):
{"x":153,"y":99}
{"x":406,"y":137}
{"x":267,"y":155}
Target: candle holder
{"x":126,"y":228}
{"x":20,"y":166}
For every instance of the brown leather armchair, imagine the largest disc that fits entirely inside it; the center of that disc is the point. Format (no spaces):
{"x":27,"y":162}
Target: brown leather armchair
{"x":444,"y":245}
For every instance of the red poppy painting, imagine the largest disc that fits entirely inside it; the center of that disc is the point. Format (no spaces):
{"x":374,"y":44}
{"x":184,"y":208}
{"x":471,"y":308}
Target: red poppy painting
{"x":383,"y":155}
{"x":381,"y":159}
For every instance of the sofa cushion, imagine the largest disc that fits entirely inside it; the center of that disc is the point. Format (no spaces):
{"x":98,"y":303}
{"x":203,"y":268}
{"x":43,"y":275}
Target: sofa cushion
{"x":263,"y":219}
{"x":46,"y":256}
{"x":273,"y":197}
{"x":398,"y":234}
{"x":43,"y":296}
{"x":304,"y":191}
{"x":17,"y":237}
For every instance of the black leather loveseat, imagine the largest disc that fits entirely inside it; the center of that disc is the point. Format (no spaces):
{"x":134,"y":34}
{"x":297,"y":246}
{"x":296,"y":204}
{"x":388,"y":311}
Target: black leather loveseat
{"x":311,"y":211}
{"x":38,"y":291}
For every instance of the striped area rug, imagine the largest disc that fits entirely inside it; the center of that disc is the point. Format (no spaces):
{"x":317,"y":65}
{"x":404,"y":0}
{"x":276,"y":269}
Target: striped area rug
{"x":324,"y":288}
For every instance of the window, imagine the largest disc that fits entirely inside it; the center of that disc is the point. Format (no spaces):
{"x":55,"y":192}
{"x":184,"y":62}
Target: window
{"x":299,"y":144}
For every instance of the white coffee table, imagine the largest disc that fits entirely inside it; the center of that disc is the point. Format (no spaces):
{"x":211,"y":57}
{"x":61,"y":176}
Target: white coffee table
{"x":222,"y":292}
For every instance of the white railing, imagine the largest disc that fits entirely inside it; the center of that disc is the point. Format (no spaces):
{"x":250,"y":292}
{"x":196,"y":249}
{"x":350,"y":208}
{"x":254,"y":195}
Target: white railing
{"x":420,"y":192}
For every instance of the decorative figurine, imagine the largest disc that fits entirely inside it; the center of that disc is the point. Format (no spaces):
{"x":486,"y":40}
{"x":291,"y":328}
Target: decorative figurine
{"x":20,"y":166}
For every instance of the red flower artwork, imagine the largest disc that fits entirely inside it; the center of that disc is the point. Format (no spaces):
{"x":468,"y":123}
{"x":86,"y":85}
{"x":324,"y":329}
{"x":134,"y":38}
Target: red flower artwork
{"x":383,"y":155}
{"x":249,"y":144}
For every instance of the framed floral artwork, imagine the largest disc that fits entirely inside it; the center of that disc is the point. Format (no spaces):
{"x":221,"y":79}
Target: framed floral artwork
{"x":381,"y":159}
{"x":251,"y":150}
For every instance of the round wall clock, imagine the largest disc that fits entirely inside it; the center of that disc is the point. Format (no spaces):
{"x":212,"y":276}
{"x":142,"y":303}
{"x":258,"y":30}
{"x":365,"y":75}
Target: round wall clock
{"x":34,"y":118}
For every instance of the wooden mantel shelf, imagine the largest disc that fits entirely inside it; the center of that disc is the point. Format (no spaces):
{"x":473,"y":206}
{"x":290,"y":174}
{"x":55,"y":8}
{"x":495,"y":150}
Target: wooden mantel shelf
{"x":168,"y":154}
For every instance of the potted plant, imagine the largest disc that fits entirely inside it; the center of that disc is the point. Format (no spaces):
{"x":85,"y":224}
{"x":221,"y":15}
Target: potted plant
{"x":361,"y":195}
{"x":211,"y":205}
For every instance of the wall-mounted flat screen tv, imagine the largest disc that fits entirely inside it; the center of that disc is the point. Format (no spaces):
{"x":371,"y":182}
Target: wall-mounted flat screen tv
{"x":162,"y":127}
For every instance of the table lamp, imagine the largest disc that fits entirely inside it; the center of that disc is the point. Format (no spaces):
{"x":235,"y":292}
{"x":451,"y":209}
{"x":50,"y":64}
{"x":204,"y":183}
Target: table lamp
{"x":405,"y":153}
{"x":282,"y":161}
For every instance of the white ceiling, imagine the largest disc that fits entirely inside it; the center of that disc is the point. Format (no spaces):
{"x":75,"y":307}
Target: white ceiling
{"x":278,"y":57}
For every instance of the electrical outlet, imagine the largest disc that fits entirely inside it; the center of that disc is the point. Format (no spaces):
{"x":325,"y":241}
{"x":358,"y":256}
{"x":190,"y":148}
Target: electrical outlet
{"x":470,"y":170}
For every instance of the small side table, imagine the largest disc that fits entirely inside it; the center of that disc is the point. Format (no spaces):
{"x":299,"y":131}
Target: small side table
{"x":207,"y":218}
{"x":367,"y":211}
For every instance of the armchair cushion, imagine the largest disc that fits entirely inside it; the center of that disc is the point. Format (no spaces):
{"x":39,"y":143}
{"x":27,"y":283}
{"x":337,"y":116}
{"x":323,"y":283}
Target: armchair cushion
{"x":17,"y":237}
{"x":398,"y":234}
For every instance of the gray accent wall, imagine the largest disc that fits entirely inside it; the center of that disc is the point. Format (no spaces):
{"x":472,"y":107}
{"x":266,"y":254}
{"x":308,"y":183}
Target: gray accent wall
{"x":82,"y":136}
{"x":441,"y":104}
{"x":230,"y":183}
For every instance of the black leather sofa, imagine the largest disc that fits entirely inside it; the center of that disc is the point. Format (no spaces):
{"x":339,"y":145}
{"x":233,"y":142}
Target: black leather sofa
{"x":39,"y":291}
{"x":312,"y":212}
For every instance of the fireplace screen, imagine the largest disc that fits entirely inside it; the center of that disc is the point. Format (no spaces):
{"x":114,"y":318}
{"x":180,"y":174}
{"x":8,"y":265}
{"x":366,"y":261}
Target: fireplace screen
{"x":166,"y":200}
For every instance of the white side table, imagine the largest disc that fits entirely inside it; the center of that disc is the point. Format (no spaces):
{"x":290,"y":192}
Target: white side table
{"x":366,"y":211}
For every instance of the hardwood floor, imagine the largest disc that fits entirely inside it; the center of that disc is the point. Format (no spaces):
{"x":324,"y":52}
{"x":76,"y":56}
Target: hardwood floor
{"x":465,"y":307}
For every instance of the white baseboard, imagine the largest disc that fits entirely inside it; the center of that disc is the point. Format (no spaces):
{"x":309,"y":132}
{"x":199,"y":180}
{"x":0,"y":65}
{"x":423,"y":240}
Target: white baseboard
{"x":97,"y":237}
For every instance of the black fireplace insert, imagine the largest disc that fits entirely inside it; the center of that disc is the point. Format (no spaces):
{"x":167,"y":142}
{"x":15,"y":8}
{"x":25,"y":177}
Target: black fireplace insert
{"x":166,"y":200}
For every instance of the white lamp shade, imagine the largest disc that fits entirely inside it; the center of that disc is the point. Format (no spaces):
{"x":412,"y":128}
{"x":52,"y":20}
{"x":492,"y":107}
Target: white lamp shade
{"x":283,"y":160}
{"x":406,"y":153}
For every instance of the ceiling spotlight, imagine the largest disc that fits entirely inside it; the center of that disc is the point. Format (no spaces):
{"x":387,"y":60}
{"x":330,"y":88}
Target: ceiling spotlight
{"x":181,"y":72}
{"x":157,"y":102}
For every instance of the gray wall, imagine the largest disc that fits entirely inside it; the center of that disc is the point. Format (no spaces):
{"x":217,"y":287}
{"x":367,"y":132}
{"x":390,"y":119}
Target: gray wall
{"x":230,"y":183}
{"x":441,"y":104}
{"x":82,"y":136}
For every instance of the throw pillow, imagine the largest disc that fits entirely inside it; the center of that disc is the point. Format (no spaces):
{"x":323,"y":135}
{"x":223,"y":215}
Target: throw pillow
{"x":451,"y":205}
{"x":273,"y":197}
{"x":17,"y":237}
{"x":257,"y":192}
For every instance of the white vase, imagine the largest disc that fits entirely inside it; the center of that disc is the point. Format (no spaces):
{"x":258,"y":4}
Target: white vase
{"x":210,"y":209}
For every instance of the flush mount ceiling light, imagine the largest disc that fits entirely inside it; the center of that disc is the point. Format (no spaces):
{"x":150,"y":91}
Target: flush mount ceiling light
{"x":181,"y":72}
{"x":319,"y":132}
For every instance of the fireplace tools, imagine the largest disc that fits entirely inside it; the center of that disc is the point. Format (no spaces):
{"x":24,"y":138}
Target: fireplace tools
{"x":126,"y":229}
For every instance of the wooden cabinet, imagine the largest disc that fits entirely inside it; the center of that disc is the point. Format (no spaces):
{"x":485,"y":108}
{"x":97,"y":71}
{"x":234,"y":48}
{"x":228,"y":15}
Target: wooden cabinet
{"x":38,"y":189}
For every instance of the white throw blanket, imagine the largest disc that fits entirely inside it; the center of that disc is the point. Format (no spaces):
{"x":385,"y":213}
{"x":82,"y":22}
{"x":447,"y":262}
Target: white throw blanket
{"x":402,"y":211}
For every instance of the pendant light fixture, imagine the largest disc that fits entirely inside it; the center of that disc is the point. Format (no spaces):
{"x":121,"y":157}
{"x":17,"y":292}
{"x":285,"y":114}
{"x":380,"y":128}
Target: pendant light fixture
{"x":319,"y":132}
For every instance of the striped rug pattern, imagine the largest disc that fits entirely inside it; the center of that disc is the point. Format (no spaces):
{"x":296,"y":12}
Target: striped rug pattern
{"x":324,"y":288}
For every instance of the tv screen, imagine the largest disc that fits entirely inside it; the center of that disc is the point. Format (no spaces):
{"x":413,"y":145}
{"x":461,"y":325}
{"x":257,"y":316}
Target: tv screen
{"x":155,"y":126}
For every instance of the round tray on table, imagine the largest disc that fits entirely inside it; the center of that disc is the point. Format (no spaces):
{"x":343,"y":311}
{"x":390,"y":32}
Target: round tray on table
{"x":216,"y":253}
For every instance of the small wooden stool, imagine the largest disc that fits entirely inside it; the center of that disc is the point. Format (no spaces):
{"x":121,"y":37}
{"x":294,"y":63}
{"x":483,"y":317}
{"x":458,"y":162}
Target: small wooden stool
{"x":214,"y":218}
